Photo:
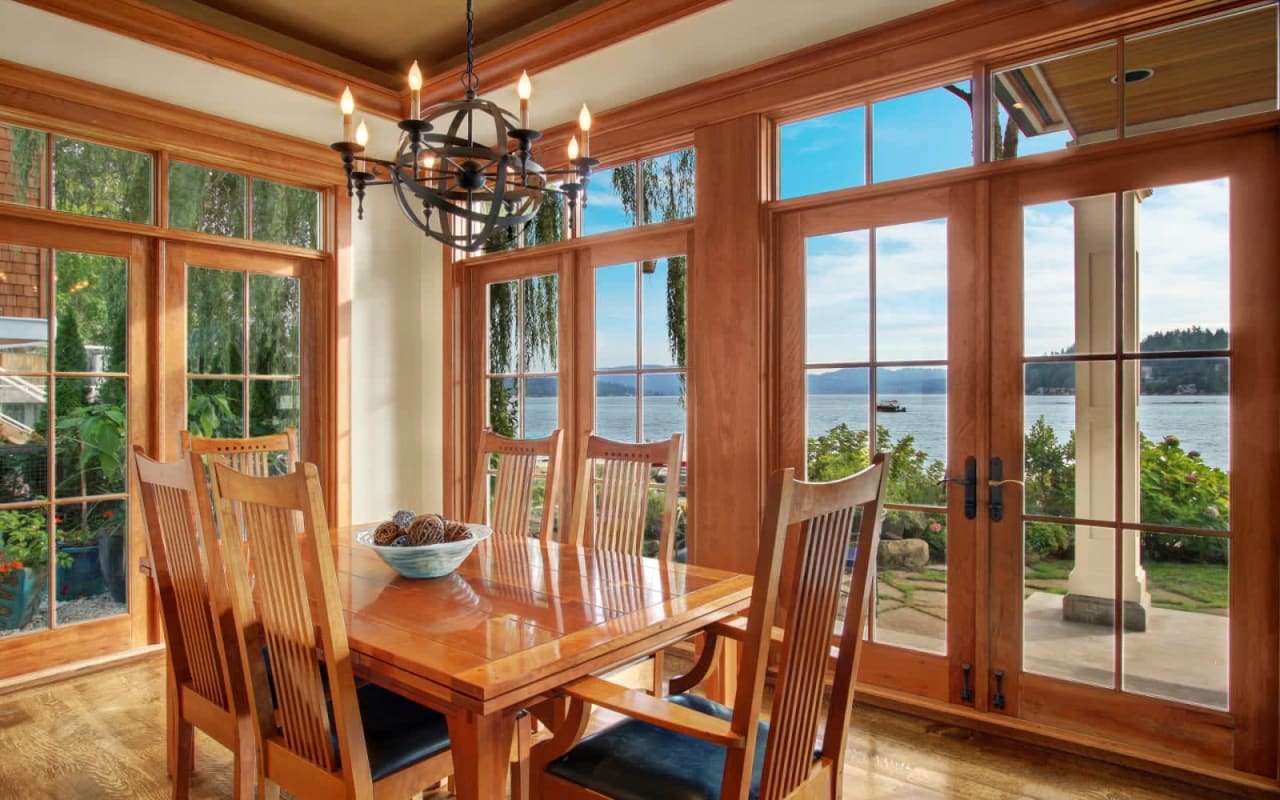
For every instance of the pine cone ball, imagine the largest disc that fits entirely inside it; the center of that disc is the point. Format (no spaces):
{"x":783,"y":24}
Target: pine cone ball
{"x":426,"y":529}
{"x":404,"y":517}
{"x":386,"y":533}
{"x":456,"y":531}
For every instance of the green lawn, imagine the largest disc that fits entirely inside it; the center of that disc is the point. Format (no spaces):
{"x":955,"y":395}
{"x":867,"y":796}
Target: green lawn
{"x":1184,"y":587}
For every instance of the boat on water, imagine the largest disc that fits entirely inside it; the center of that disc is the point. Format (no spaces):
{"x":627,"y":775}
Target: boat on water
{"x":891,"y":406}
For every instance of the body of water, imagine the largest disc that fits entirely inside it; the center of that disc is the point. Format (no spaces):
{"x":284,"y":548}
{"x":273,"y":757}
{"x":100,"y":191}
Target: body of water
{"x":1199,"y":421}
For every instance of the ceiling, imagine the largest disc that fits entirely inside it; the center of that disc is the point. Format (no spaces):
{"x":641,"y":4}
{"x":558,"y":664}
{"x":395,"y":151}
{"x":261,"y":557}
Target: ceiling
{"x":377,"y":39}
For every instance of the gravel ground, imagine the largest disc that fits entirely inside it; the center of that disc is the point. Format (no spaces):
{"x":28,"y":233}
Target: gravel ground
{"x":70,"y":611}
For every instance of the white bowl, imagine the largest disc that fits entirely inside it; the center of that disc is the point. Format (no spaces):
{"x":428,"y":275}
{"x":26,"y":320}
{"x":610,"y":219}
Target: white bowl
{"x":427,"y":560}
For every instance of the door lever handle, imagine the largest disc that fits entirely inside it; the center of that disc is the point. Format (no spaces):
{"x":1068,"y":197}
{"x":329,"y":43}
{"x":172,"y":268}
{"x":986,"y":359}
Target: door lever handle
{"x":995,"y":485}
{"x":970,"y":484}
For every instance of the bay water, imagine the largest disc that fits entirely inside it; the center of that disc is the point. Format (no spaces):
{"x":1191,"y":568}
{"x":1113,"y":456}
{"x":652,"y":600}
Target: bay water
{"x":1198,"y":421}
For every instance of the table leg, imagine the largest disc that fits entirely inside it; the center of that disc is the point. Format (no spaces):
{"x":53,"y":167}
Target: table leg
{"x":722,"y":683}
{"x":481,"y":753}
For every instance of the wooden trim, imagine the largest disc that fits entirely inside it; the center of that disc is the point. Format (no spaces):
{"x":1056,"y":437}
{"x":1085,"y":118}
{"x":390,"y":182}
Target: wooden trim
{"x":620,"y":239}
{"x":94,"y":639}
{"x":66,"y":221}
{"x":910,"y":53}
{"x":603,"y":25}
{"x":338,"y":310}
{"x":595,"y":28}
{"x":154,"y":25}
{"x":1112,"y":752}
{"x":65,"y":672}
{"x":61,"y":104}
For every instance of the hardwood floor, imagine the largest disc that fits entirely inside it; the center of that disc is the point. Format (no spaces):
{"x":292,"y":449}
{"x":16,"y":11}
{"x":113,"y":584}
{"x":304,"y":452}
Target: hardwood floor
{"x":101,"y":737}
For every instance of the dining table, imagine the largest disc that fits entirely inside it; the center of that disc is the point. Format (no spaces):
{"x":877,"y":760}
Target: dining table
{"x":518,"y":619}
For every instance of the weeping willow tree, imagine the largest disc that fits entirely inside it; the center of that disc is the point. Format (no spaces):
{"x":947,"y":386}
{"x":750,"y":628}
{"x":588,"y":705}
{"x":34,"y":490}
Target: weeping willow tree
{"x":663,"y":192}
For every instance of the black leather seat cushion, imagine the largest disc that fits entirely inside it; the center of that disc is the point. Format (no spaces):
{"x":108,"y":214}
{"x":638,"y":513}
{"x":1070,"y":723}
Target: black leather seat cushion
{"x":397,"y":731}
{"x":634,"y":760}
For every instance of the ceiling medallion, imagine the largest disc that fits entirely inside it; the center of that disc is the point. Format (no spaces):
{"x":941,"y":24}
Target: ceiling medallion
{"x":464,"y":170}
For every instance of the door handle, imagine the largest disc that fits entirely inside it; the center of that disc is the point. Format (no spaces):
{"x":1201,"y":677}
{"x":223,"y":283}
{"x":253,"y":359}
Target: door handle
{"x":970,"y":484}
{"x":995,"y":485}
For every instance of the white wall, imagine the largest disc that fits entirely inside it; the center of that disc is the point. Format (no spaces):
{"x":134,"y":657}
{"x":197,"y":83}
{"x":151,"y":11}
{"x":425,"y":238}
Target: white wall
{"x":396,"y":403}
{"x":397,"y":451}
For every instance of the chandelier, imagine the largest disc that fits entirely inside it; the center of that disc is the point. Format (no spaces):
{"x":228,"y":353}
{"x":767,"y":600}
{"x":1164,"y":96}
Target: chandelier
{"x":464,"y":170}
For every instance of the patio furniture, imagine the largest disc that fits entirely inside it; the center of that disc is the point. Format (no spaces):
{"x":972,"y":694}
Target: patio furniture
{"x":207,"y":686}
{"x":508,"y":511}
{"x":691,"y":748}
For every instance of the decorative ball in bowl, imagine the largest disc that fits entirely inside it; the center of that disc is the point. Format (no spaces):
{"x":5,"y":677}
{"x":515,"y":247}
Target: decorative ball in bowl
{"x":428,"y":546}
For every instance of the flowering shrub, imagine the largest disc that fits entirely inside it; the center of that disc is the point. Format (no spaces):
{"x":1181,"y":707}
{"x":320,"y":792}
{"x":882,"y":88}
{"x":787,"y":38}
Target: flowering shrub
{"x":24,"y":541}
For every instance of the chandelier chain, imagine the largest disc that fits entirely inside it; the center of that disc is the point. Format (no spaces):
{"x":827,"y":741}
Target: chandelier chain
{"x":470,"y":80}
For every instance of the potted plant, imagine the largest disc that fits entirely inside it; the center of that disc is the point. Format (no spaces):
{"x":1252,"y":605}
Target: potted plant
{"x":24,"y":565}
{"x":92,"y":534}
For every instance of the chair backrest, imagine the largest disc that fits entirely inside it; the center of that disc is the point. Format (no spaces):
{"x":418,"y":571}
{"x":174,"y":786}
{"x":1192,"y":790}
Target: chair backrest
{"x":255,"y":455}
{"x":187,"y":571}
{"x":294,"y":592}
{"x":609,"y":512}
{"x":509,"y":510}
{"x":819,"y":518}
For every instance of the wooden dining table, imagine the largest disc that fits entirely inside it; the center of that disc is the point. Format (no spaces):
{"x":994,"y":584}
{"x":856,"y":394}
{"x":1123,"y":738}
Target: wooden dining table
{"x":515,"y":621}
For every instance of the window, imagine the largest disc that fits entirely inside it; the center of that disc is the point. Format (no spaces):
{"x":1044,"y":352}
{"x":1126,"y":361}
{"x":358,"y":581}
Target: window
{"x":914,"y":134}
{"x":640,"y":378}
{"x":1204,"y":71}
{"x":522,"y":373}
{"x":664,"y":192}
{"x":64,"y":426}
{"x":243,"y":352}
{"x":208,"y":200}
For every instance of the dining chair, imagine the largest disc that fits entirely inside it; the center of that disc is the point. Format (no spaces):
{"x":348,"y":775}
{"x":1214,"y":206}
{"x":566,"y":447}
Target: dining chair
{"x":207,"y":687}
{"x":509,"y":508}
{"x":254,"y":455}
{"x":318,"y":736}
{"x":611,"y":502}
{"x":611,"y":498}
{"x":689,"y":747}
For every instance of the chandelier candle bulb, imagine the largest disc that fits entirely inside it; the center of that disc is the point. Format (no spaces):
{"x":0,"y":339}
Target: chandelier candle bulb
{"x":584,"y":122}
{"x":348,"y":105}
{"x":525,"y":89}
{"x":362,"y":139}
{"x":415,"y":92}
{"x":573,"y":148}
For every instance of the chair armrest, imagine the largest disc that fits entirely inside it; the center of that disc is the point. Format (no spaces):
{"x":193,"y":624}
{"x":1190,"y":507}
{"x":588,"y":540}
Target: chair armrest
{"x":736,"y":628}
{"x":652,"y":710}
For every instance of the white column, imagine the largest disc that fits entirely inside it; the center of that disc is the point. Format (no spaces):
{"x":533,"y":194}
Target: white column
{"x":1091,"y":585}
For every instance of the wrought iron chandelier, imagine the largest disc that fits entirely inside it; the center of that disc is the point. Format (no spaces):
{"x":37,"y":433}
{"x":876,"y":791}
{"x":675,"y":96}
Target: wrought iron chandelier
{"x":464,"y":170}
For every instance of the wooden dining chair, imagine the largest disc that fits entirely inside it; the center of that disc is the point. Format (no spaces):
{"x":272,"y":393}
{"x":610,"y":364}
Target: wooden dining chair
{"x":207,"y":687}
{"x":318,"y":735}
{"x":611,"y":498}
{"x":508,"y":509}
{"x":689,"y":747}
{"x":255,"y":455}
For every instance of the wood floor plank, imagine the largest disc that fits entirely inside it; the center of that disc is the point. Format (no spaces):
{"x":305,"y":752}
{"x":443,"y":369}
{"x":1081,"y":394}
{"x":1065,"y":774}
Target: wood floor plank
{"x":101,"y":737}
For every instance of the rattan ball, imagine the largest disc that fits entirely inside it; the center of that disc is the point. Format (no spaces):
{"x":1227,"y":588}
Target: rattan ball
{"x":386,"y":533}
{"x":456,"y":531}
{"x":404,"y":517}
{"x":426,"y":529}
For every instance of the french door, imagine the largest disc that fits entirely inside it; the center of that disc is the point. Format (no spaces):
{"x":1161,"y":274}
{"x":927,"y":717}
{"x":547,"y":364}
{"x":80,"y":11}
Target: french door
{"x":1076,"y":369}
{"x":888,"y":357}
{"x":1134,"y":387}
{"x":74,"y":306}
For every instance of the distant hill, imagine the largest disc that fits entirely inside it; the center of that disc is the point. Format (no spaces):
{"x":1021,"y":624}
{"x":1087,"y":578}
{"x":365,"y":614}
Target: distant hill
{"x":660,"y":385}
{"x":909,"y":380}
{"x":1172,"y":376}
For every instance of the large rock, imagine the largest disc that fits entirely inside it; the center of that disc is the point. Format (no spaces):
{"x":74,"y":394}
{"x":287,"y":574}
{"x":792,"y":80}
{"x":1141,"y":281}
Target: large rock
{"x":904,"y":554}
